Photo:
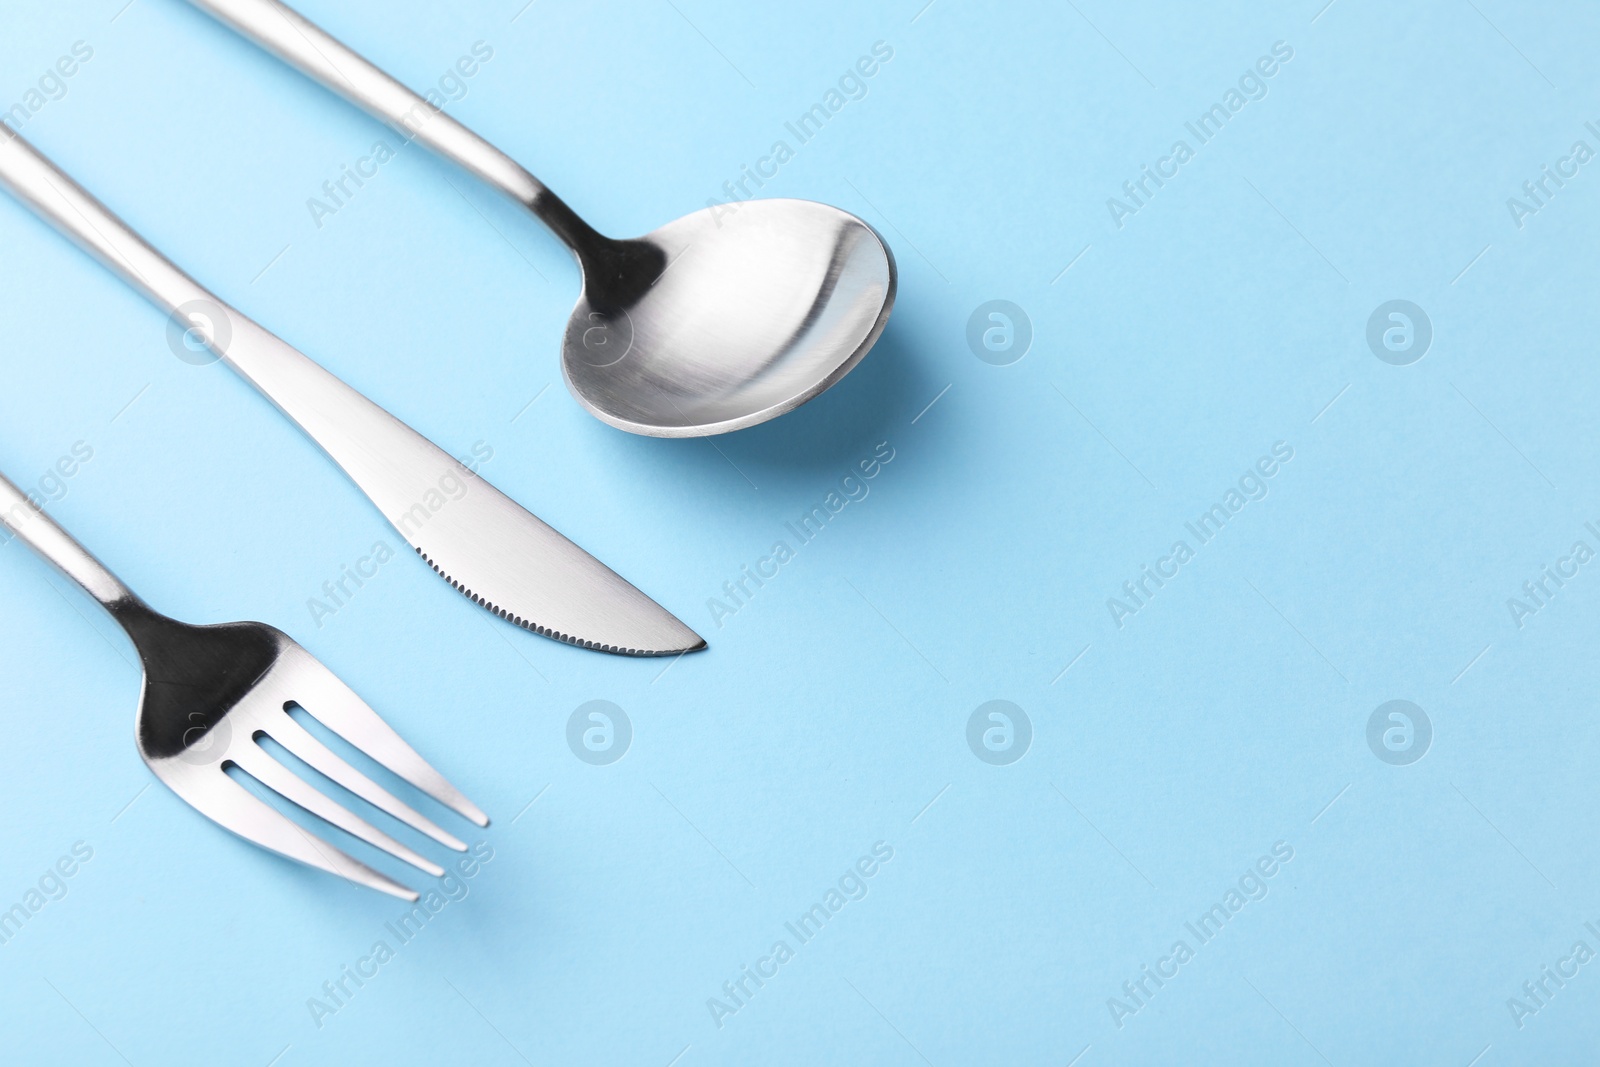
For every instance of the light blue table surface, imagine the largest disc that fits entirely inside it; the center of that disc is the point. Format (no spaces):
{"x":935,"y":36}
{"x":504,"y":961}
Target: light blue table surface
{"x":1431,"y":879}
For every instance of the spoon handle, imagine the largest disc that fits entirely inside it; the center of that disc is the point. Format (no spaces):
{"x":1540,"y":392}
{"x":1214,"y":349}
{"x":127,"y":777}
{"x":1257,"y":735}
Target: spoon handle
{"x":302,"y":44}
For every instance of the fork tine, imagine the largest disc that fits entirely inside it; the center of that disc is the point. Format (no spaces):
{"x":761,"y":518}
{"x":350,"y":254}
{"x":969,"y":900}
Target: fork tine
{"x":261,"y":765}
{"x":337,"y":707}
{"x":212,"y":793}
{"x":303,"y":744}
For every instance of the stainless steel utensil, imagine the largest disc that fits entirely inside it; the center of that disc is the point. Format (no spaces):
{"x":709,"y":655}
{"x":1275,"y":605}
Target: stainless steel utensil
{"x":706,"y":325}
{"x":209,"y":694}
{"x":475,"y":537}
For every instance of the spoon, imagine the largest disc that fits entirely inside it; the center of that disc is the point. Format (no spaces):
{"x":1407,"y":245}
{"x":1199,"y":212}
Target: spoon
{"x":723,"y":319}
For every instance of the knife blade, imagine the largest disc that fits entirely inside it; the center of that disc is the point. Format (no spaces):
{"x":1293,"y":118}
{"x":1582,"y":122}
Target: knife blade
{"x":483,"y":543}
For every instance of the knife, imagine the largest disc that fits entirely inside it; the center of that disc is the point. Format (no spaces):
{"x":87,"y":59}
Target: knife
{"x":479,"y":540}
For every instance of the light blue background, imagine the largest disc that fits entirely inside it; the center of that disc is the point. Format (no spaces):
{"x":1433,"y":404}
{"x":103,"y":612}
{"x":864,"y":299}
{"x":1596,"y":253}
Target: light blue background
{"x":830,"y":713}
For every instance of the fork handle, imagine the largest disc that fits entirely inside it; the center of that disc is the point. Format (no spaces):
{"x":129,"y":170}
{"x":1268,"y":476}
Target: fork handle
{"x":23,"y":517}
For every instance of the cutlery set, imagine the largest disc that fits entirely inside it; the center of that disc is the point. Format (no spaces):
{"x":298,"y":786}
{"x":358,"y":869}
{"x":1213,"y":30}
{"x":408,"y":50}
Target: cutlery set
{"x":701,"y":327}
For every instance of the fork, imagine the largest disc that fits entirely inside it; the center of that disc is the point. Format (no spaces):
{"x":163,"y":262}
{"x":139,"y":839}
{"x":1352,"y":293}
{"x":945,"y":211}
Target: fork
{"x":210,"y":693}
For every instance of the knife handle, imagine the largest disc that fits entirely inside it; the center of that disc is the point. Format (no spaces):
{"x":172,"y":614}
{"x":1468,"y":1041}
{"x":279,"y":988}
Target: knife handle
{"x":305,"y":46}
{"x":390,"y":462}
{"x":38,"y":183}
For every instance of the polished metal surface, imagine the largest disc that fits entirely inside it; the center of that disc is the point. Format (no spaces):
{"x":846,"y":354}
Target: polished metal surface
{"x":211,"y":692}
{"x":482,"y":542}
{"x":720,"y":320}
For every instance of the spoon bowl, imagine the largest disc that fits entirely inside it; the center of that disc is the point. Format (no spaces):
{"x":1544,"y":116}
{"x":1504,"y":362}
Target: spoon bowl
{"x":725,"y":318}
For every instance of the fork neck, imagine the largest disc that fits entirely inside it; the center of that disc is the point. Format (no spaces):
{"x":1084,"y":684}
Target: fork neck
{"x":25,"y":518}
